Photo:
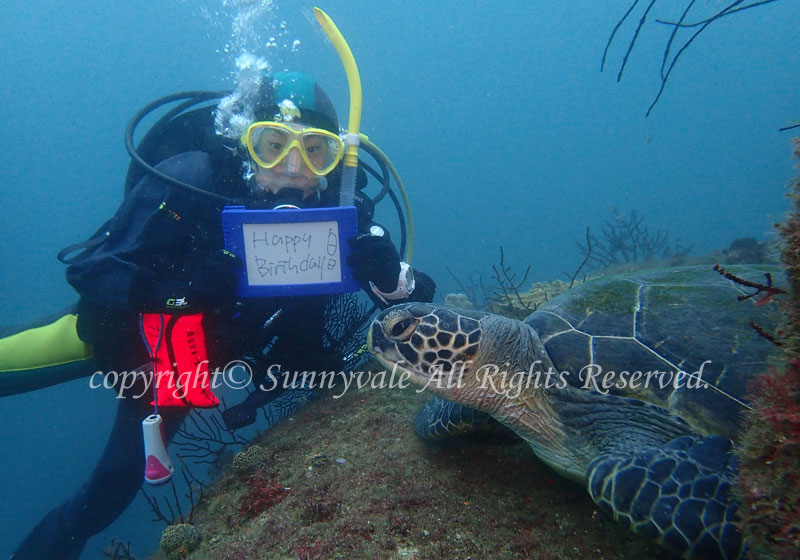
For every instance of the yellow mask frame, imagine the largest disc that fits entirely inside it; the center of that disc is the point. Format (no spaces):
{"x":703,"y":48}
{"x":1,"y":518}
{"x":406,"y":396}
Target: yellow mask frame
{"x":296,"y":141}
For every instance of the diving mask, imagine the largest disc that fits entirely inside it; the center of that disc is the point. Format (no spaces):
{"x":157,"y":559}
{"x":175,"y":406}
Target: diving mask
{"x":270,"y":142}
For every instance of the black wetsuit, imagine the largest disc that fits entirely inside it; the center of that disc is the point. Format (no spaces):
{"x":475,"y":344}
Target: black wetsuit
{"x":164,"y":230}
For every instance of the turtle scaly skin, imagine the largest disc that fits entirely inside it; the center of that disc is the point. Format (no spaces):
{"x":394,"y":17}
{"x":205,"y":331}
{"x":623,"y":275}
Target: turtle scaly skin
{"x":443,"y":419}
{"x":659,"y":459}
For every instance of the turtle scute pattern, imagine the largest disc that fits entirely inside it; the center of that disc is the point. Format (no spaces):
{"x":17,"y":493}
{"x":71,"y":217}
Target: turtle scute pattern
{"x":451,"y":338}
{"x":440,"y":338}
{"x":678,"y":496}
{"x":686,"y":319}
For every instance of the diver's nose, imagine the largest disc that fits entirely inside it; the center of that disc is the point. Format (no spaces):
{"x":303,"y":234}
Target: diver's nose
{"x":294,"y":162}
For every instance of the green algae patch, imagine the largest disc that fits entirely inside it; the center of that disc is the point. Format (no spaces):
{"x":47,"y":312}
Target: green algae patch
{"x":611,"y":296}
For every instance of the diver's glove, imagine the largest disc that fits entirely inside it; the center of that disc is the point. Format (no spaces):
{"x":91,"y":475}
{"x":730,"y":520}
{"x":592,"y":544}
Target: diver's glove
{"x":377,"y":265}
{"x":212,"y":285}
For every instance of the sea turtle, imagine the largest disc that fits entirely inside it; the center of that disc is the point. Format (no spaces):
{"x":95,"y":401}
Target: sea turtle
{"x":633,"y":385}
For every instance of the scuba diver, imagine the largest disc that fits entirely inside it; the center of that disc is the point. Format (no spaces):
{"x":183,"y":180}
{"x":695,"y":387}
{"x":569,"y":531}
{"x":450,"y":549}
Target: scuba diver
{"x":163,"y":255}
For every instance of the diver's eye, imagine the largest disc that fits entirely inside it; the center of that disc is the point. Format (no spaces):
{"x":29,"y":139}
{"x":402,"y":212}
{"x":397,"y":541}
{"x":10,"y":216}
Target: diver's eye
{"x":400,"y":327}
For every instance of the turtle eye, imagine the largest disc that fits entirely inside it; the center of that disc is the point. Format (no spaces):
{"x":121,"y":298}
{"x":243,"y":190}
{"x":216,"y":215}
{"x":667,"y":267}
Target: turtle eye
{"x":400,"y":327}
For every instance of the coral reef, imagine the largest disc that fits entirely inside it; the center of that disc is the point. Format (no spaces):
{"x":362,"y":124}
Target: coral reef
{"x":245,"y":462}
{"x":504,"y":296}
{"x":345,"y":318}
{"x":458,"y":300}
{"x":627,"y":240}
{"x":167,"y":508}
{"x":179,"y":540}
{"x":747,"y":250}
{"x":769,"y":478}
{"x":118,"y":550}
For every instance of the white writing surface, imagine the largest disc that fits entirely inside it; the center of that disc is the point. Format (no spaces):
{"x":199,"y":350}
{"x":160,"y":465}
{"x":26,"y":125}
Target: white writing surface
{"x":292,"y":253}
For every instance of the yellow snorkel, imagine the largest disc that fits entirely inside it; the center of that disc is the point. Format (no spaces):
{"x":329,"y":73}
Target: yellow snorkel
{"x":351,"y":139}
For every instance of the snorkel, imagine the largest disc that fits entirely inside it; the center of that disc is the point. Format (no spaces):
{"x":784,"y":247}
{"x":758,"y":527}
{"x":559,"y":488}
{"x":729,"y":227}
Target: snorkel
{"x":347,"y":190}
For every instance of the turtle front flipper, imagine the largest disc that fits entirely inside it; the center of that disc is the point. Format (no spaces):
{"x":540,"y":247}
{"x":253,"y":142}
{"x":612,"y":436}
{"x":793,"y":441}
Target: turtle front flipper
{"x":677,"y":496}
{"x":442,"y":419}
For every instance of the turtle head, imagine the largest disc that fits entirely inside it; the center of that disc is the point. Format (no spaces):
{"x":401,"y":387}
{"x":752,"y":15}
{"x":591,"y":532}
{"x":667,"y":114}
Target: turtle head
{"x":485,"y":362}
{"x":447,"y":350}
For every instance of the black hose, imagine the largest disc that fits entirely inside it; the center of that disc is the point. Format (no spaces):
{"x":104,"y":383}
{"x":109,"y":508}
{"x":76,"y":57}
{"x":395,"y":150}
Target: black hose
{"x":193,"y":97}
{"x":384,"y":180}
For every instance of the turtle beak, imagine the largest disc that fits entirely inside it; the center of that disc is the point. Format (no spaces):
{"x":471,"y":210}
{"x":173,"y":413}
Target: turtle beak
{"x":370,"y":344}
{"x":384,"y":349}
{"x":376,"y":340}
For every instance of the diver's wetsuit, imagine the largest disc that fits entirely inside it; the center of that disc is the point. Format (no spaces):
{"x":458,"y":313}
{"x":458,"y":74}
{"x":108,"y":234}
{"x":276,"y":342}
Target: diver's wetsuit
{"x":164,"y":229}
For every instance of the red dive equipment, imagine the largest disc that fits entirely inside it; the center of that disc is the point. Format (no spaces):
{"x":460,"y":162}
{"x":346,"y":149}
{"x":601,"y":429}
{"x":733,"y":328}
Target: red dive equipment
{"x":180,"y":361}
{"x":177,"y":349}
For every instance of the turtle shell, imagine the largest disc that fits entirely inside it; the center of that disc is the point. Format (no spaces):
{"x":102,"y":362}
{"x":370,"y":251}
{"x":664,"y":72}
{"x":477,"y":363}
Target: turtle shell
{"x":684,"y":326}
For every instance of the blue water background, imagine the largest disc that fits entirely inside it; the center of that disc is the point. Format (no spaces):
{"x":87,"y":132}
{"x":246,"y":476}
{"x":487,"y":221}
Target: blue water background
{"x":495,"y":113}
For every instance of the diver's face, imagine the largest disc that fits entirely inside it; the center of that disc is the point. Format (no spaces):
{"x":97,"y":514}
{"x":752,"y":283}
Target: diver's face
{"x":292,"y":171}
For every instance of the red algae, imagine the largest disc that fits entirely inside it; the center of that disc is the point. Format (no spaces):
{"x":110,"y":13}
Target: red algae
{"x":262,"y":493}
{"x":769,"y":477}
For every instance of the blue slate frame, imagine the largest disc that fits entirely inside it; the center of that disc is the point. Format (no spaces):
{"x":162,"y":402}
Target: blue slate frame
{"x":235,"y":217}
